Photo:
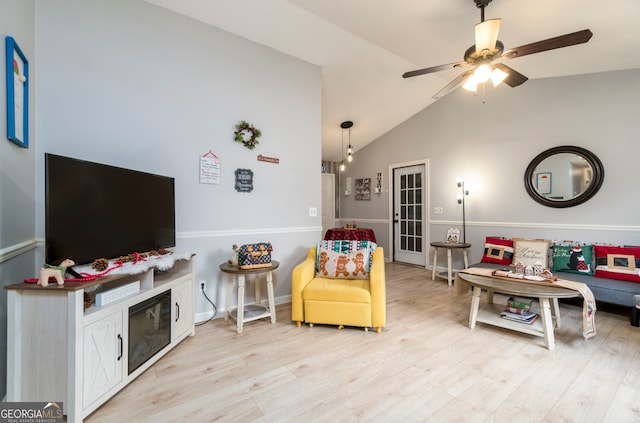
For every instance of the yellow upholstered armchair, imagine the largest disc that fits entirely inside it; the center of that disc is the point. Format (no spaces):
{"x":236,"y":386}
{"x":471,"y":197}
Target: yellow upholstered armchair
{"x":342,"y":302}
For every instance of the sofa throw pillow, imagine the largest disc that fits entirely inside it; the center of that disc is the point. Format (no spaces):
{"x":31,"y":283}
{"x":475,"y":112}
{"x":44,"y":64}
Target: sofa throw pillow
{"x":337,"y":265}
{"x":346,"y":246}
{"x":498,"y":250}
{"x":531,"y":251}
{"x":618,"y":263}
{"x":573,"y":259}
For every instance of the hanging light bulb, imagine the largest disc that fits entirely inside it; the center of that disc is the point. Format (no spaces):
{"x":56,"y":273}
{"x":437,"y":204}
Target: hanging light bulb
{"x":349,"y":157}
{"x":342,"y":167}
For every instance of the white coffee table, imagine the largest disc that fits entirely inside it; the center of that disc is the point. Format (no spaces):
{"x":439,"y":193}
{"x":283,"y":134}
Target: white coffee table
{"x":489,"y":313}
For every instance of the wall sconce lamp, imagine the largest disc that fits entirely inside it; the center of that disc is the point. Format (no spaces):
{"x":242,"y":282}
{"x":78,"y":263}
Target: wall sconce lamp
{"x":460,"y":197}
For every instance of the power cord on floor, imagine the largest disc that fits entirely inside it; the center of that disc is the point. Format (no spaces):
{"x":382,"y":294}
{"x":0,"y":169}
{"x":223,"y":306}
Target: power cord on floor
{"x":215,"y":309}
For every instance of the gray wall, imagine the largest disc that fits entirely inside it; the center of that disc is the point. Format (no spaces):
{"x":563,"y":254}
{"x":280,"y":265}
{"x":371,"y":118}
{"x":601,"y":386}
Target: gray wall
{"x":17,"y":173}
{"x":129,"y":84}
{"x":490,"y":145}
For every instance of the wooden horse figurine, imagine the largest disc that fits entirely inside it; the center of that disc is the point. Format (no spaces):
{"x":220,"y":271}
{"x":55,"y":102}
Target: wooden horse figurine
{"x":50,"y":271}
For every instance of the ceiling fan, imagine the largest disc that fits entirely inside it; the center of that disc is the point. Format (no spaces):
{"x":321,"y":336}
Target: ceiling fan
{"x":488,"y":49}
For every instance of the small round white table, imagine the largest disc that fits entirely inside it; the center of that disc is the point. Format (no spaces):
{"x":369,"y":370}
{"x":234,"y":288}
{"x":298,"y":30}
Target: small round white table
{"x":449,"y":247}
{"x":254,"y":311}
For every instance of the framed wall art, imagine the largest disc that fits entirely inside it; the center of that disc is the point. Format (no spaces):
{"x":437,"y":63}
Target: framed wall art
{"x":17,"y":70}
{"x":363,"y":189}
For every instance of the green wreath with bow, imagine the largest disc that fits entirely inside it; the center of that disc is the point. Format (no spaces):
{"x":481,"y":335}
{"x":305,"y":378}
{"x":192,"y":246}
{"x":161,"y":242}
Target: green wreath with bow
{"x":245,"y":127}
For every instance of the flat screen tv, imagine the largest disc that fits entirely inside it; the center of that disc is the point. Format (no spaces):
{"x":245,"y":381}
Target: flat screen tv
{"x":94,"y":210}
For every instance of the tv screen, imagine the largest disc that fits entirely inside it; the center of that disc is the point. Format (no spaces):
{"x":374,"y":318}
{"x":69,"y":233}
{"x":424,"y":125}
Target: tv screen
{"x":95,"y":211}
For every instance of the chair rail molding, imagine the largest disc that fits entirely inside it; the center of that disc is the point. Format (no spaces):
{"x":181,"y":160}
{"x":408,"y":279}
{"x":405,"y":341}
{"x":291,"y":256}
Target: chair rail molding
{"x":15,"y":250}
{"x":536,"y":225}
{"x":240,"y":232}
{"x":359,"y":221}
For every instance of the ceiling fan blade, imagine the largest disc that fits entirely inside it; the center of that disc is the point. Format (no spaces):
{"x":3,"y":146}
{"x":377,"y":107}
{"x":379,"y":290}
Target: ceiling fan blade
{"x":514,"y":78}
{"x":566,"y":40}
{"x":432,"y":69}
{"x":452,"y":85}
{"x":487,"y":35}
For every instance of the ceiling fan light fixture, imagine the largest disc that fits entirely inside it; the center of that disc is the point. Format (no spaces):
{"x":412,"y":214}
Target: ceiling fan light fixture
{"x":483,"y":72}
{"x":488,"y":48}
{"x":471,"y":84}
{"x":497,"y":76}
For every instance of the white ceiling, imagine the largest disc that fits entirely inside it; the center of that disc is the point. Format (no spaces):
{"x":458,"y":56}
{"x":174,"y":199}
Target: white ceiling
{"x":364,"y":46}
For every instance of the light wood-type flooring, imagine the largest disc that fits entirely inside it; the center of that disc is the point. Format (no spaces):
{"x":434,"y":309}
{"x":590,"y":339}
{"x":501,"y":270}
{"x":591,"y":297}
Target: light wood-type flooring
{"x":426,"y":366}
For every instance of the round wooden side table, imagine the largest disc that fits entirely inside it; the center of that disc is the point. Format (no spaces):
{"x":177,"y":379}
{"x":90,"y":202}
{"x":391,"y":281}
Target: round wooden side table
{"x":464,"y":246}
{"x":253,"y":311}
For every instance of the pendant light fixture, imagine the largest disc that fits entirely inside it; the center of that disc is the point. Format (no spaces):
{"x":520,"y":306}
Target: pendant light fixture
{"x":347,"y":125}
{"x":342,"y":167}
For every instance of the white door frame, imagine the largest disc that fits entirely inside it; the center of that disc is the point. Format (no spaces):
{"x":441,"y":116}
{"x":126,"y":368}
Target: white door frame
{"x":328,"y":181}
{"x":426,"y":198}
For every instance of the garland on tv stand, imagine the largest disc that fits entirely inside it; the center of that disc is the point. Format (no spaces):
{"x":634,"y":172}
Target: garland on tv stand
{"x":137,"y":262}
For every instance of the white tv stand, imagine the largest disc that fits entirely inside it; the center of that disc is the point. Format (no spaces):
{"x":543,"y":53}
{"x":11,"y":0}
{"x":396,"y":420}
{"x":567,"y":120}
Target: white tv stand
{"x":58,"y":351}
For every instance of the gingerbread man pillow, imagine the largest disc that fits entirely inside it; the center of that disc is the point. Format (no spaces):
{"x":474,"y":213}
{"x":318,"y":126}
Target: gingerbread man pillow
{"x":337,"y":265}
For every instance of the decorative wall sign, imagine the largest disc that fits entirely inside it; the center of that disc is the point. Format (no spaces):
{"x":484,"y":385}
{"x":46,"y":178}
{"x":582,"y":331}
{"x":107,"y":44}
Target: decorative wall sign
{"x":17,"y":94}
{"x":363,"y":189}
{"x":378,"y":182}
{"x":453,"y":235}
{"x":243,"y":128}
{"x":209,"y":168}
{"x":244,"y":180}
{"x":262,"y":158}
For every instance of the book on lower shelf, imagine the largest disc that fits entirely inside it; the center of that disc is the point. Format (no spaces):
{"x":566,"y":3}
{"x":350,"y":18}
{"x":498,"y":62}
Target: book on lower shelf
{"x":519,"y":303}
{"x":516,"y":310}
{"x":525,"y":318}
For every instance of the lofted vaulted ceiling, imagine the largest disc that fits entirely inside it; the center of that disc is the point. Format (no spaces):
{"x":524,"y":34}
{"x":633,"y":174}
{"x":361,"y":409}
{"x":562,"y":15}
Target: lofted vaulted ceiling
{"x":364,"y":46}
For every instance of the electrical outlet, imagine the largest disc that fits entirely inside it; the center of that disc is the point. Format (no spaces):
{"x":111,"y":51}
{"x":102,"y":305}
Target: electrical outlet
{"x":313,"y":211}
{"x":203,"y":284}
{"x":438,"y":210}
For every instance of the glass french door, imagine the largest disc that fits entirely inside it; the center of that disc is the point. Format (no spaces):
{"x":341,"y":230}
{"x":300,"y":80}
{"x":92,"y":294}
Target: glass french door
{"x":409,"y":215}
